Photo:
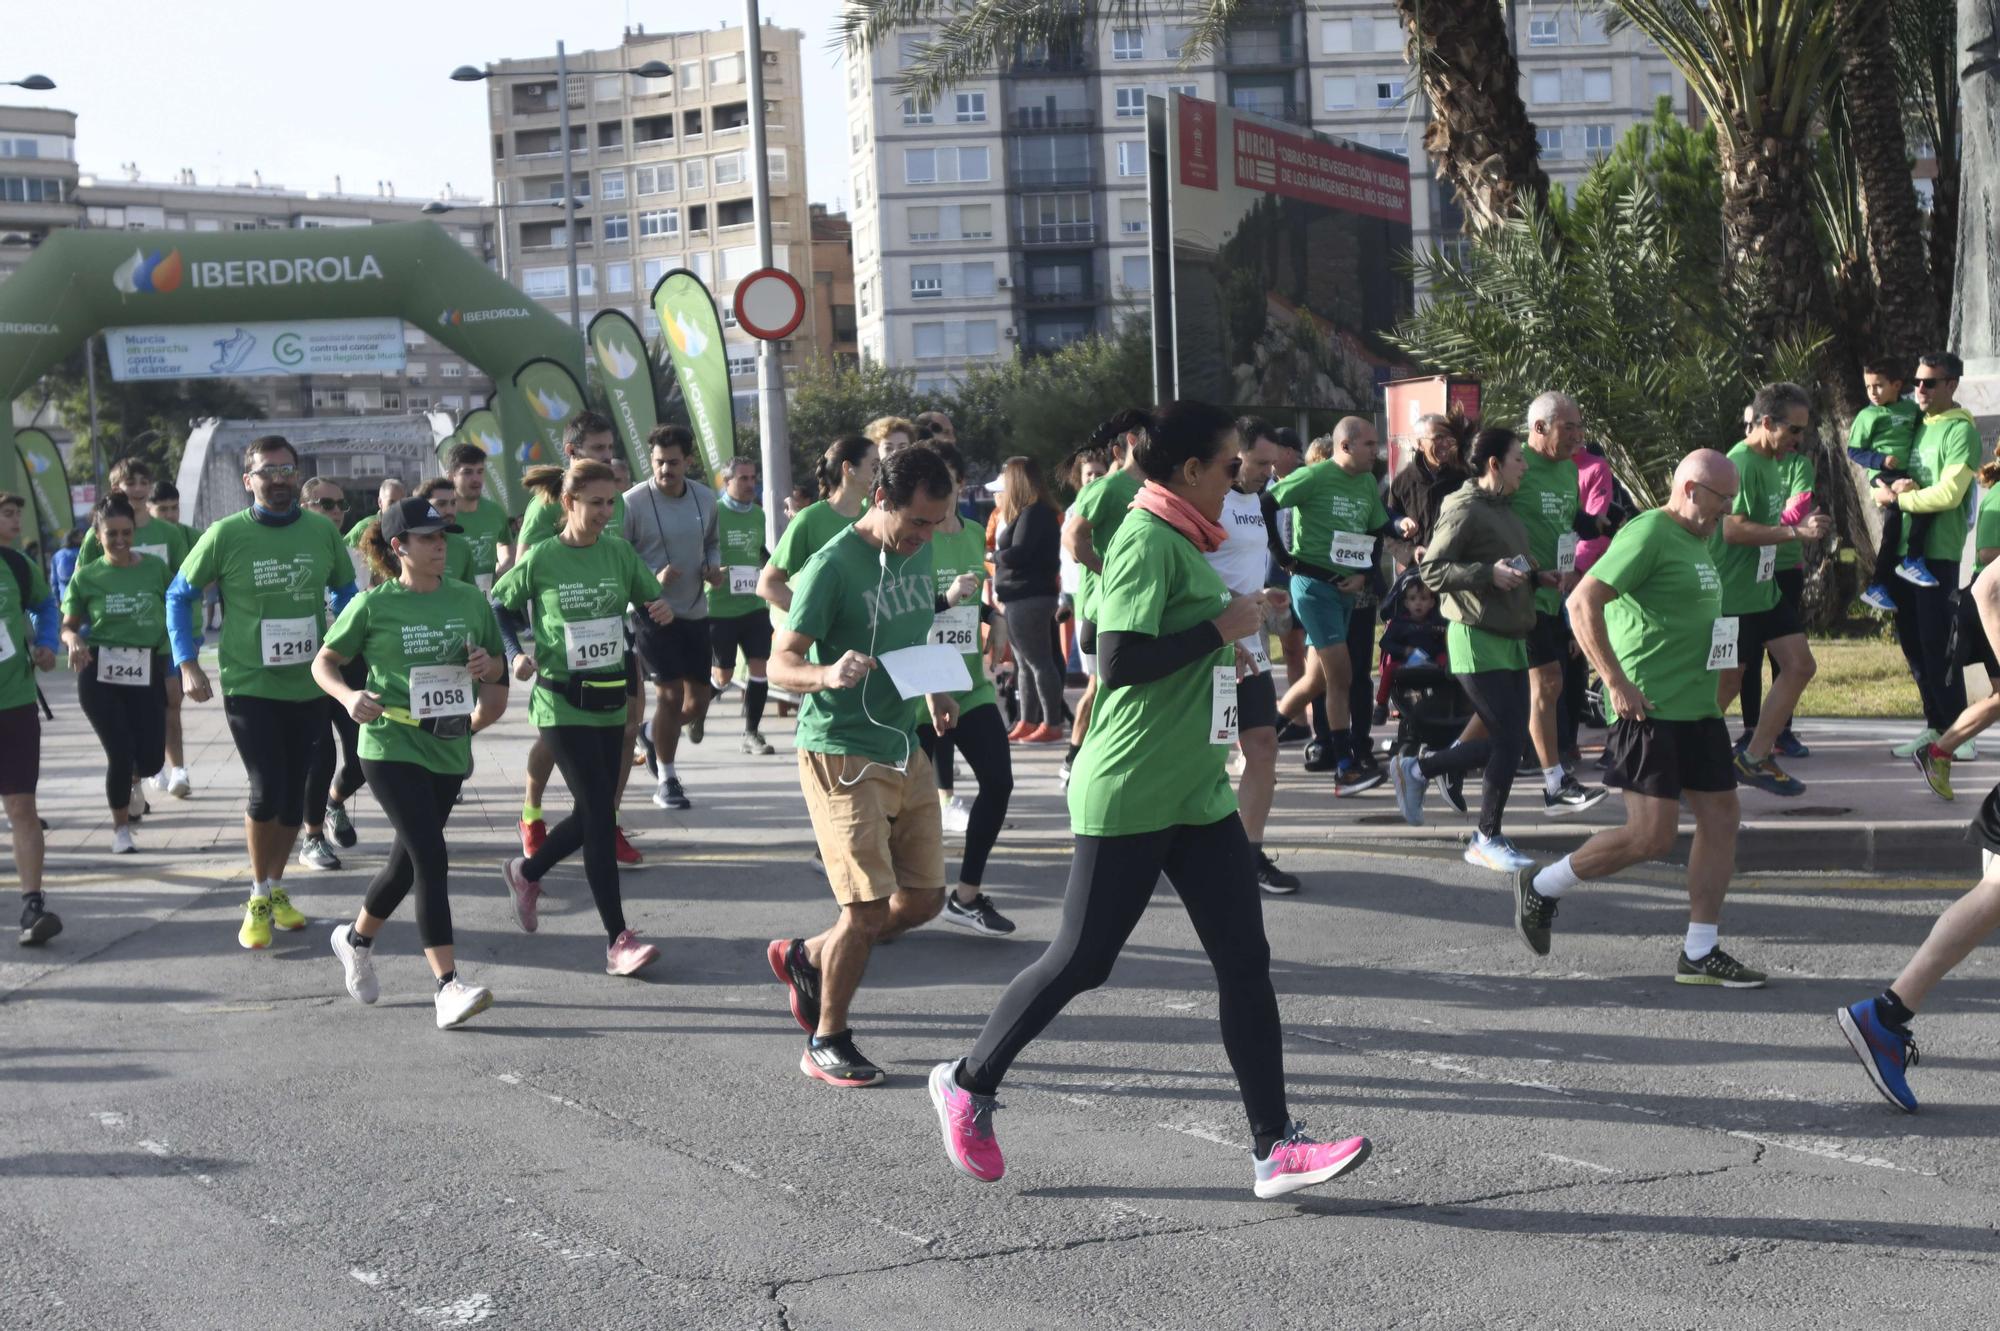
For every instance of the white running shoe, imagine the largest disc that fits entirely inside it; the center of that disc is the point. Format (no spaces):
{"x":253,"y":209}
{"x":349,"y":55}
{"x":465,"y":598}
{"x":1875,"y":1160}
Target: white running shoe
{"x":459,"y":1002}
{"x":1497,"y":853}
{"x":358,"y":966}
{"x":164,"y":778}
{"x":121,"y":841}
{"x":179,"y":786}
{"x":957,"y":816}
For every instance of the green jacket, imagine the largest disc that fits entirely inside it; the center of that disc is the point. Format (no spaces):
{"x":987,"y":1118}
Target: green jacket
{"x":1475,"y":530}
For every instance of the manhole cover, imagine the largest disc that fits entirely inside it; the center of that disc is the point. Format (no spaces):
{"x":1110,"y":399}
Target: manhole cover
{"x":1814,"y":811}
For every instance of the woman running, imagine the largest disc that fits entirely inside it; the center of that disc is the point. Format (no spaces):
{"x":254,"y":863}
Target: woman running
{"x":575,"y":587}
{"x":960,"y":555}
{"x":1150,"y":795}
{"x":847,"y":473}
{"x":435,"y":676}
{"x":120,"y":661}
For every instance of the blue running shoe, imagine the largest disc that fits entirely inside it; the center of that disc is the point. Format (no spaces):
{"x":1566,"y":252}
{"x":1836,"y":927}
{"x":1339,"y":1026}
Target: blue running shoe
{"x":1410,"y":786}
{"x":1885,"y":1051}
{"x":1790,"y":746}
{"x":1877,"y":598}
{"x":1915,"y":571}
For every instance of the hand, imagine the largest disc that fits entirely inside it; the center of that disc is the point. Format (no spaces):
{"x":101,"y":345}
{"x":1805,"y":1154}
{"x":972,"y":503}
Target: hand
{"x":1406,"y":528}
{"x":963,"y":588}
{"x":714,"y":575}
{"x":364,"y":706}
{"x":848,"y":671}
{"x":1544,"y":578}
{"x":1243,"y":617}
{"x":524,"y":666}
{"x":79,"y":654}
{"x":1814,"y":527}
{"x":659,"y":612}
{"x":1628,"y":702}
{"x":44,"y":658}
{"x":1417,"y":555}
{"x":480,"y":662}
{"x":1506,"y":577}
{"x":669,"y":575}
{"x":1885,"y":497}
{"x":194,"y":683}
{"x":1891,"y":464}
{"x":1904,"y":485}
{"x":944,"y":711}
{"x":1567,"y":581}
{"x":1352,"y":583}
{"x":1277,"y":597}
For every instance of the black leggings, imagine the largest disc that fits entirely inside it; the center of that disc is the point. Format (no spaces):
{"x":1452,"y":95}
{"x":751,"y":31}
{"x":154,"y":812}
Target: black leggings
{"x":1031,"y":624}
{"x":1110,"y":881}
{"x":589,"y":758}
{"x":1500,"y":697}
{"x":277,"y":739}
{"x":417,"y":802}
{"x":131,"y":724}
{"x":323,"y":784}
{"x":982,"y":737}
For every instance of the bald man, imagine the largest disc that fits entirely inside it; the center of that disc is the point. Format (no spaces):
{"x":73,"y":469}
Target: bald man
{"x":1649,"y":616}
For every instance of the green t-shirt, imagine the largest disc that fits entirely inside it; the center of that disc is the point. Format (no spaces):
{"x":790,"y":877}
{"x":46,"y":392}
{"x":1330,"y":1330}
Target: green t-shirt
{"x":1547,"y":504}
{"x":544,"y":519}
{"x":486,"y":528}
{"x":395,"y":628}
{"x":845,"y":600}
{"x":358,"y":532}
{"x":1331,"y":499}
{"x":164,"y":541}
{"x":589,"y":587}
{"x":1148,"y":762}
{"x":1104,"y":504}
{"x":1795,"y":472}
{"x":1471,"y":650}
{"x":1945,"y":441}
{"x":460,"y":558}
{"x":1760,"y":498}
{"x":17,"y":672}
{"x":1986,"y":531}
{"x":963,"y":551}
{"x":1661,"y":625}
{"x":1891,"y":429}
{"x":126,"y":607}
{"x":815,"y":525}
{"x":741,"y":536}
{"x":274,"y":583}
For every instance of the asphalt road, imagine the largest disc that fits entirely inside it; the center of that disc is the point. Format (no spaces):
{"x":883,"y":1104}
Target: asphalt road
{"x":203,"y":1138}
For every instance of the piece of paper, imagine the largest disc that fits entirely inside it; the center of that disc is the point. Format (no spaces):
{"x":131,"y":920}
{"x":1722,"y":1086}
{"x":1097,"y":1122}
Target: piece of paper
{"x":930,"y":668}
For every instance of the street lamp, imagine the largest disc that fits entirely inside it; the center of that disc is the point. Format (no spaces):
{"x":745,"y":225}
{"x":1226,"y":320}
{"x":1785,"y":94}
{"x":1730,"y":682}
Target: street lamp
{"x":652,"y":69}
{"x":33,"y":83}
{"x":438,"y":208}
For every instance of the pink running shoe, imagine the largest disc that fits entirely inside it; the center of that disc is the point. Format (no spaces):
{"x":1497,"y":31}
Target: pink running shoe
{"x":627,"y":955}
{"x":967,"y":1122}
{"x":1300,"y":1162}
{"x":524,"y":890}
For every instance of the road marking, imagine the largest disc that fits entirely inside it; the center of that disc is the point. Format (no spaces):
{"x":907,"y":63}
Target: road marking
{"x":1580,"y":1164}
{"x":1205,"y":1131}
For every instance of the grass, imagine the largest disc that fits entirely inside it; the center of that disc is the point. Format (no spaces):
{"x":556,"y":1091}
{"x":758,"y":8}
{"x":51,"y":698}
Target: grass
{"x":1864,"y":677}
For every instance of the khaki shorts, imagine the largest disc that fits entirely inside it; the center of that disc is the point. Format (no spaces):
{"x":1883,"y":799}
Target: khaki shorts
{"x":878,"y":829}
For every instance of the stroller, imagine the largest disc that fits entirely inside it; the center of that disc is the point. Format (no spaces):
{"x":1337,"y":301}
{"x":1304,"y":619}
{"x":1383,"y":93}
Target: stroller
{"x":1432,"y":709}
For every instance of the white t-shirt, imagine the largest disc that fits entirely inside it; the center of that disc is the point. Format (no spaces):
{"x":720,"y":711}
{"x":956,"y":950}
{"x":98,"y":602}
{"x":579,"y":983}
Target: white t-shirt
{"x":1244,"y":555}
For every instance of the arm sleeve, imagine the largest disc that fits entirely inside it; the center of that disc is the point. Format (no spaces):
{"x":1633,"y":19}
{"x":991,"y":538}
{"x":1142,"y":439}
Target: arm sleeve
{"x":513,"y":627}
{"x":642,"y":584}
{"x":47,"y":619}
{"x":1274,"y":539}
{"x":1128,"y":657}
{"x":1801,"y":505}
{"x":182,"y":598}
{"x":344,"y":594}
{"x":1949,"y":492}
{"x":711,"y":537}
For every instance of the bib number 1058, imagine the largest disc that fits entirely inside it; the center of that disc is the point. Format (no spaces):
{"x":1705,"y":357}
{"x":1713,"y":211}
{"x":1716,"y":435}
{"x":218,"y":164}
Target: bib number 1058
{"x":440,"y":691}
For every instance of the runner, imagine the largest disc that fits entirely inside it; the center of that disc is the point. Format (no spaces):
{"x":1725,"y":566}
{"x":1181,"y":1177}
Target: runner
{"x":274,"y":562}
{"x":739,"y":621}
{"x":671,"y":521}
{"x":959,"y":558}
{"x":1975,"y":643}
{"x":460,"y":558}
{"x":30,"y":629}
{"x":1649,"y":616}
{"x":1150,"y":796}
{"x":427,"y":640}
{"x":1100,"y":509}
{"x":391,"y":491}
{"x":847,"y":474}
{"x":887,"y":432}
{"x":120,"y":660}
{"x":484,"y":522}
{"x":336,"y":767}
{"x":868,"y":786}
{"x":576,"y":587}
{"x":1795,"y":470}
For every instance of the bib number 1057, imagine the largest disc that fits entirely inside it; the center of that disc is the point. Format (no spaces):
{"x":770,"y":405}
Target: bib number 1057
{"x":595,"y":644}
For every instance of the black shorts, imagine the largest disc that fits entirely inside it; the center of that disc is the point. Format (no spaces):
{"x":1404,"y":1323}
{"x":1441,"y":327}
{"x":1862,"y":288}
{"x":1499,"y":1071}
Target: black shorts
{"x":674,"y":651}
{"x":20,"y":749}
{"x":1086,"y":636}
{"x":277,"y":739}
{"x":1757,"y":631}
{"x":1970,"y":641}
{"x":1548,"y":641}
{"x":749,"y":634}
{"x":1664,"y":758}
{"x":1984,"y":829}
{"x":1257,"y":702}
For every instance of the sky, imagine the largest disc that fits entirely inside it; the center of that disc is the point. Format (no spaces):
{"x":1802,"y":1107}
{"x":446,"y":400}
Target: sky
{"x":358,"y":89}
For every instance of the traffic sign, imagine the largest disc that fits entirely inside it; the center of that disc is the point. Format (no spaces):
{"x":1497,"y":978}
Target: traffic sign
{"x":769,"y":304}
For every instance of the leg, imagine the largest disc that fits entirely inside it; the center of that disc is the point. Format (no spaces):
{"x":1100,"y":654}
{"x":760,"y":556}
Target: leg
{"x":176,"y":751}
{"x":319,"y":782}
{"x":1648,"y":834}
{"x":102,"y":707}
{"x":1750,"y":689}
{"x":1544,"y":691}
{"x":1965,"y":924}
{"x":146,"y":719}
{"x":756,"y":690}
{"x":540,"y":766}
{"x":1934,"y":626}
{"x":590,"y":758}
{"x":295,"y":770}
{"x":1500,"y":698}
{"x":1712,"y":859}
{"x":1359,"y":693}
{"x":28,"y":846}
{"x":667,"y":713}
{"x":635,"y":716}
{"x":1794,"y":670}
{"x":418,"y":809}
{"x":982,"y":737}
{"x":1259,"y":782}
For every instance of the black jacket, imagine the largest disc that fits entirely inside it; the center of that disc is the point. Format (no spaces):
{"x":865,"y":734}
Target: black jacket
{"x":1027,"y":555}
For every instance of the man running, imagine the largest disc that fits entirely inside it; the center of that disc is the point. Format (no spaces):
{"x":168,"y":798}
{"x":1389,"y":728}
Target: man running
{"x":336,"y":766}
{"x":459,"y":554}
{"x":1094,"y":518}
{"x":870,"y":790}
{"x":739,"y":621}
{"x":1649,"y":616}
{"x":30,"y":629}
{"x":671,"y":521}
{"x":483,"y":522}
{"x":275,"y":563}
{"x":390,"y":492}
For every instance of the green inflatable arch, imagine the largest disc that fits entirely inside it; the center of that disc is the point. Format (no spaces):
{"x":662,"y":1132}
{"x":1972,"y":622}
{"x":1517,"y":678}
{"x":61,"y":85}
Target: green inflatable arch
{"x":81,"y":282}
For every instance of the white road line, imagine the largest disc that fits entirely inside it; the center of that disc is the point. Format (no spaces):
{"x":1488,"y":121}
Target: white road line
{"x":1580,"y":1164}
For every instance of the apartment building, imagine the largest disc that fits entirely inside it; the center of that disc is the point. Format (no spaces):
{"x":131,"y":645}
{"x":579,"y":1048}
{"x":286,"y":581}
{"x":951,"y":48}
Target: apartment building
{"x":662,"y":175}
{"x":833,"y":286}
{"x":1010,"y":215}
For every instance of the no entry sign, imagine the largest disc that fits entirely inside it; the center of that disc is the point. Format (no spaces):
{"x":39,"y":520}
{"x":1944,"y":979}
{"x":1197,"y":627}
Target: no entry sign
{"x":769,"y":304}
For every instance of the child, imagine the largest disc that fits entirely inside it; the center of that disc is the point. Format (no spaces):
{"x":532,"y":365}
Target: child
{"x":1412,"y":636}
{"x":1881,"y":439}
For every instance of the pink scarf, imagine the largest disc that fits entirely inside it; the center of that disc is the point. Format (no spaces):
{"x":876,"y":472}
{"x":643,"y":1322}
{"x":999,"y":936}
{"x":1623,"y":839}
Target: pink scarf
{"x":1182,"y":516}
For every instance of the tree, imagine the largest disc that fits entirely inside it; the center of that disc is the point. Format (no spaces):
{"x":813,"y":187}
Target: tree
{"x":1925,"y":37}
{"x":148,"y":420}
{"x":829,"y":400}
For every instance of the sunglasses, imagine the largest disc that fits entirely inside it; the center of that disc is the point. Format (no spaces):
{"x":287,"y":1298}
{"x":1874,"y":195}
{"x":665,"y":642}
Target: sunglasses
{"x":330,"y":505}
{"x":283,"y":471}
{"x":1931,"y":383}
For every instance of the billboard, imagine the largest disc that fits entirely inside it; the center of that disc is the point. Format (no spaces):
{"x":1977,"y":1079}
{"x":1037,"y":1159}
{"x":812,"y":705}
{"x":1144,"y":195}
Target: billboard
{"x":1278,"y":259}
{"x":215,"y":351}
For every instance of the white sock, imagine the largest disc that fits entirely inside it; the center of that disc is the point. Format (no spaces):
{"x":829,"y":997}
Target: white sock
{"x":1700,"y":941}
{"x":259,"y":889}
{"x":1557,"y":879}
{"x":667,"y":772}
{"x":1552,"y":778}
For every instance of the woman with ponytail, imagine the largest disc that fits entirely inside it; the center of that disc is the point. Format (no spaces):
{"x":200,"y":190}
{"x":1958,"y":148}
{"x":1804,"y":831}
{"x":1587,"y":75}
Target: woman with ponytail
{"x":846,"y":481}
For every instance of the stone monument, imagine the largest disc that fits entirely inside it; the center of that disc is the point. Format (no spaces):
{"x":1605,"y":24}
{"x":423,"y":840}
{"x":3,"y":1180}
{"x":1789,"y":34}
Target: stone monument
{"x":1975,"y":305}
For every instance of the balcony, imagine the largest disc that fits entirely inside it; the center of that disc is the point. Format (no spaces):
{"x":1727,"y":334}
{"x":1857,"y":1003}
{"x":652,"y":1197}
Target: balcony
{"x":1058,"y":233}
{"x":1062,"y":293}
{"x":1261,"y":48}
{"x":1039,"y":177}
{"x":1061,"y":117}
{"x":1072,"y":61}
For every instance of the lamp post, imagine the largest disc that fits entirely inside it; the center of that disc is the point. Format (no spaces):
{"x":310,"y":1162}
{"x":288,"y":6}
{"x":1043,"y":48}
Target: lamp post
{"x":33,"y":83}
{"x":773,"y":438}
{"x":652,"y":69}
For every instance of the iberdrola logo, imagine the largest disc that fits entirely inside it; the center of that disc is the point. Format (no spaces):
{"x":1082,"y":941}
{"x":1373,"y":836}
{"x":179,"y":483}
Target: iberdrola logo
{"x":530,"y":452}
{"x":489,"y":442}
{"x":36,"y":462}
{"x":548,"y":406}
{"x":148,"y":273}
{"x":622,"y":363}
{"x":688,"y":339}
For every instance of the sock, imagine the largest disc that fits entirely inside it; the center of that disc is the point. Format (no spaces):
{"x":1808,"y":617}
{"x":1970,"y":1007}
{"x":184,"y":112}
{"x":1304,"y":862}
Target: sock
{"x":1700,"y":941}
{"x":1557,"y":879}
{"x":355,"y":939}
{"x":1892,"y":1010}
{"x":754,"y":695}
{"x":1940,"y":754}
{"x":531,"y":813}
{"x":667,"y":772}
{"x":260,"y":888}
{"x":1069,"y":756}
{"x":822,"y":1041}
{"x":33,"y":901}
{"x":1261,"y":1148}
{"x":446,"y":979}
{"x":959,"y":1075}
{"x":1552,"y":778}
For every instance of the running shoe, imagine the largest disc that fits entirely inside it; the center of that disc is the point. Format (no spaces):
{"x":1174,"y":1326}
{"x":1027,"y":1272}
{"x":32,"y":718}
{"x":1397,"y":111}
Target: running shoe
{"x":1923,"y":741}
{"x":696,"y":728}
{"x":627,"y":955}
{"x":1320,"y":757}
{"x":1789,"y":745}
{"x":1935,"y":764}
{"x":284,"y":915}
{"x":754,"y":743}
{"x":787,"y":957}
{"x":1021,"y":730}
{"x":459,"y":1002}
{"x":1294,"y":732}
{"x":121,"y":841}
{"x":1877,"y":598}
{"x":1300,"y":1162}
{"x":256,"y":931}
{"x":1534,"y":914}
{"x":314,"y":853}
{"x":669,"y":795}
{"x":1451,"y":786}
{"x":979,"y":915}
{"x":163,"y":778}
{"x":1967,"y":751}
{"x":1493,"y":852}
{"x":1719,"y":969}
{"x":1274,"y":881}
{"x":1916,"y":572}
{"x":533,"y":837}
{"x":1886,"y":1052}
{"x":138,"y":807}
{"x":1353,"y":777}
{"x":357,"y":966}
{"x":1235,"y":763}
{"x":38,"y":923}
{"x":342,"y":827}
{"x":626,"y":852}
{"x":178,"y":785}
{"x":966,"y":1120}
{"x":1571,"y":797}
{"x":523,"y":891}
{"x":957,"y":815}
{"x":1045,"y":734}
{"x":1409,"y":790}
{"x":1381,"y":717}
{"x":1767,"y":776}
{"x":837,"y":1062}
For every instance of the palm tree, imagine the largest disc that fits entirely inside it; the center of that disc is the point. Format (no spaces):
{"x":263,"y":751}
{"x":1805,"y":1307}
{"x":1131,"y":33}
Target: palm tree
{"x":1926,"y":43}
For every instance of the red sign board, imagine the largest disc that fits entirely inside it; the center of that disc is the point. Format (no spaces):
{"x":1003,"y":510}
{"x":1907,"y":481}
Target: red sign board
{"x":1197,"y":142}
{"x":1299,"y":167}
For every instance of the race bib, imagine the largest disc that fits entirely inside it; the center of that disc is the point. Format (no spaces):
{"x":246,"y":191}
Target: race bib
{"x":440,"y":690}
{"x":595,"y":644}
{"x":1222,"y":716}
{"x":1351,"y":551}
{"x":1566,"y":552}
{"x":124,"y":665}
{"x":483,"y":581}
{"x":290,"y":641}
{"x":6,"y":644}
{"x":1722,"y":642}
{"x":1260,"y":655}
{"x":742,"y":579}
{"x":1767,"y":562}
{"x":158,"y":552}
{"x":957,"y":628}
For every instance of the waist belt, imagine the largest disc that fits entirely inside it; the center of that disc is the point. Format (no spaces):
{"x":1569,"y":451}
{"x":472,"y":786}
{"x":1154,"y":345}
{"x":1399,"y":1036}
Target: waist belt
{"x":444,"y":727}
{"x":589,"y":693}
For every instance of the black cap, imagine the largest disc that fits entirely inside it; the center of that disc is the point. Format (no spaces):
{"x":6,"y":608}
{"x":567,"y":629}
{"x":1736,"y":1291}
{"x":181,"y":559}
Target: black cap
{"x":411,"y":517}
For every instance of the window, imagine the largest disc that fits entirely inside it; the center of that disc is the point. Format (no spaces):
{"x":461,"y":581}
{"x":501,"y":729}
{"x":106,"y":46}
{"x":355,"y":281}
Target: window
{"x":1336,"y":35}
{"x":1135,"y":273}
{"x":1590,"y":30}
{"x":917,"y":112}
{"x":690,"y":75}
{"x":1131,"y":101}
{"x":694,"y":173}
{"x":661,"y":179}
{"x":774,"y":159}
{"x":452,"y":369}
{"x":853,"y":77}
{"x":740,"y":260}
{"x":1128,"y":43}
{"x":659,"y":222}
{"x":418,"y":402}
{"x":586,"y":279}
{"x":1052,"y":159}
{"x":742,"y":360}
{"x":953,"y":337}
{"x":982,"y":338}
{"x":1658,"y":86}
{"x":1185,"y":89}
{"x":971,"y":108}
{"x":1057,"y":219}
{"x":604,"y":88}
{"x":1337,"y":92}
{"x":1132,"y":157}
{"x":39,"y":189}
{"x":1596,"y":85}
{"x":1388,"y":92}
{"x":928,"y":166}
{"x":1132,"y":218}
{"x":611,"y":186}
{"x":618,"y":277}
{"x":975,"y":221}
{"x":416,"y":372}
{"x":928,"y":340}
{"x":725,"y":69}
{"x":1264,"y":99}
{"x":923,"y":224}
{"x":615,"y":227}
{"x":909,"y":46}
{"x":926,"y":281}
{"x":1551,"y":141}
{"x":1542,"y":30}
{"x":414,"y":337}
{"x":544,"y":282}
{"x":651,"y":271}
{"x":919,"y":166}
{"x":1597,"y":142}
{"x":950,"y":281}
{"x":1176,"y":38}
{"x":1545,"y":88}
{"x":728,"y":169}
